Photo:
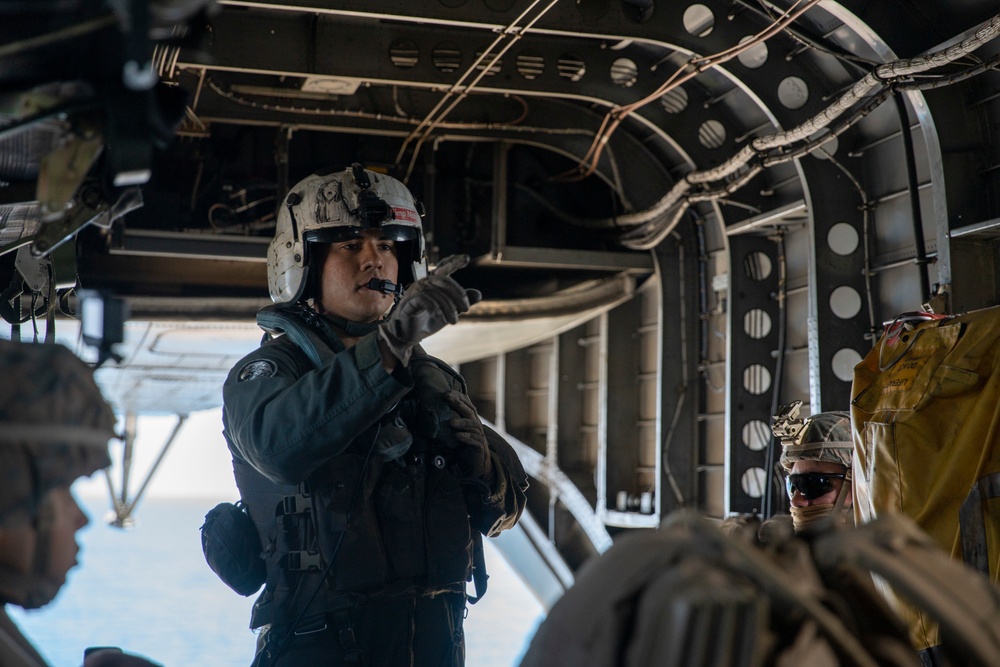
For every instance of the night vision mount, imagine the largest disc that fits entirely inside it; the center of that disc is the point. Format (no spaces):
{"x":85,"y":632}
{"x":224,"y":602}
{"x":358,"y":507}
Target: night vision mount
{"x":786,"y":425}
{"x":372,"y":210}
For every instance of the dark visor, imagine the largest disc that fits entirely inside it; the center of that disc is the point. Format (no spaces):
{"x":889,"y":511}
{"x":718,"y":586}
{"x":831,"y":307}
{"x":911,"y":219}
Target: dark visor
{"x":397,"y":233}
{"x":811,"y":485}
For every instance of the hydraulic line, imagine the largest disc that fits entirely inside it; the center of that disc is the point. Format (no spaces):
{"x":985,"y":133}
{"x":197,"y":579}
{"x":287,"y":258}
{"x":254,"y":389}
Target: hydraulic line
{"x":779,"y":369}
{"x":514,"y":32}
{"x":685,"y":382}
{"x":653,"y":225}
{"x":916,"y":217}
{"x":690,"y":70}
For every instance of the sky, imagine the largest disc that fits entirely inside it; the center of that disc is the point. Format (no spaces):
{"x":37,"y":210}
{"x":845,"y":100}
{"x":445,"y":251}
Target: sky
{"x":196,"y":465}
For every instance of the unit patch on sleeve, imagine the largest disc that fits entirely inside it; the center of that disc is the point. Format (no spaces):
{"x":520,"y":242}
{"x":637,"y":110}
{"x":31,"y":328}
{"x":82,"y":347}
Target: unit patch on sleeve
{"x":262,"y":368}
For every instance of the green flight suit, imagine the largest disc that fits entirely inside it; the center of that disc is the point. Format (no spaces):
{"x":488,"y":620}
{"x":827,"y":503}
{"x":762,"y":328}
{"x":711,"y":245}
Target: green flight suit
{"x":374,"y":451}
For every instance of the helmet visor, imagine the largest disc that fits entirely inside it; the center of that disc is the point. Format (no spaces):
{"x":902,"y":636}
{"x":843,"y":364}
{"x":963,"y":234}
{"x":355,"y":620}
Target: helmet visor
{"x":397,"y":233}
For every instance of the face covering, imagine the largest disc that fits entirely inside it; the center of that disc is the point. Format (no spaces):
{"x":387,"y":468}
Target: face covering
{"x":806,"y":518}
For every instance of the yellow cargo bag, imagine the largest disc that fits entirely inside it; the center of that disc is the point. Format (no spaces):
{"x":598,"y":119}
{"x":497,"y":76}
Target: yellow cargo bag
{"x":925,"y":416}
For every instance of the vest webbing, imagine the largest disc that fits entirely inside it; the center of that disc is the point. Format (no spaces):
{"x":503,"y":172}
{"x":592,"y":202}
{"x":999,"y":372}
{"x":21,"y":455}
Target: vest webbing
{"x":301,"y":326}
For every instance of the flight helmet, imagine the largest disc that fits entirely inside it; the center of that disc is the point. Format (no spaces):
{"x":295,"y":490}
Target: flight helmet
{"x":327,"y":207}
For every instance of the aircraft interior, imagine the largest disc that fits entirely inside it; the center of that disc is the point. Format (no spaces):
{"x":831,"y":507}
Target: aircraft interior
{"x":682,"y":215}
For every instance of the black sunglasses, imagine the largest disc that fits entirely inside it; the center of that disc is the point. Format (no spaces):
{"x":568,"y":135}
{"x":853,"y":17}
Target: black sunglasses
{"x":811,"y":485}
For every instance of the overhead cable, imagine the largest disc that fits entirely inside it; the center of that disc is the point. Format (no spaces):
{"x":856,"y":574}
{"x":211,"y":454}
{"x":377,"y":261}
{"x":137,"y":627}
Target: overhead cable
{"x":459,"y":90}
{"x":688,"y":71}
{"x":653,"y":225}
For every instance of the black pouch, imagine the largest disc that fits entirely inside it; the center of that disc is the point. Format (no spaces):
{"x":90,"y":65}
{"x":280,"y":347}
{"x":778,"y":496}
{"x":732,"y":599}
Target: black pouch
{"x":232,"y":548}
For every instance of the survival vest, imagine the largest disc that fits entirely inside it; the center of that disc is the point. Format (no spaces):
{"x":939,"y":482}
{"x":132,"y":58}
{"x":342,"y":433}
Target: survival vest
{"x":403,"y":503}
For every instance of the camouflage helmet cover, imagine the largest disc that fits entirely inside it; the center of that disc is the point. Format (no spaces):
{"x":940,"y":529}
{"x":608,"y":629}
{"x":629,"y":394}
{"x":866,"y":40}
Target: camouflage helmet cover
{"x":54,"y":423}
{"x":826,"y":436}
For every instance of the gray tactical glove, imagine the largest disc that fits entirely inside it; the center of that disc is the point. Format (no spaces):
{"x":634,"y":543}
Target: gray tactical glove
{"x":426,"y":307}
{"x":474,"y":458}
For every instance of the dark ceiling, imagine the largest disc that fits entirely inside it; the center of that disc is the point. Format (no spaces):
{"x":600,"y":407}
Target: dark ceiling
{"x":823,"y":165}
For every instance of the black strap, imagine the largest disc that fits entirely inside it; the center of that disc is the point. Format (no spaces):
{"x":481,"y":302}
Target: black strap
{"x":479,"y":574}
{"x":353,"y":655}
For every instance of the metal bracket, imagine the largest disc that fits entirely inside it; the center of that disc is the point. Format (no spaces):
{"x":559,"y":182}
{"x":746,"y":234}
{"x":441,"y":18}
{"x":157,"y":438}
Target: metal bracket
{"x":786,"y":425}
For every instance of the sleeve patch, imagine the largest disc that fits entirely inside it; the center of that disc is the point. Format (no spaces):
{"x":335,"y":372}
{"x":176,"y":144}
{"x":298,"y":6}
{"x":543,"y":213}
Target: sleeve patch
{"x":262,"y":368}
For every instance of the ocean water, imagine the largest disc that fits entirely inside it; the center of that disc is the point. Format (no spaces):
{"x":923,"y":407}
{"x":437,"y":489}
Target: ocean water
{"x":149,"y":591}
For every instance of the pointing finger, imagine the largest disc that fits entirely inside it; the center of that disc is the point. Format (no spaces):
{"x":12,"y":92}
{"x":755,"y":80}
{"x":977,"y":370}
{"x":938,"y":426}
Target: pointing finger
{"x":450,"y":264}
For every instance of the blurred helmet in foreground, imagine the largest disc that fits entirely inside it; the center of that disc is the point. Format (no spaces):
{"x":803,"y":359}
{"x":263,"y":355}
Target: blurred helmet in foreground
{"x":54,"y":424}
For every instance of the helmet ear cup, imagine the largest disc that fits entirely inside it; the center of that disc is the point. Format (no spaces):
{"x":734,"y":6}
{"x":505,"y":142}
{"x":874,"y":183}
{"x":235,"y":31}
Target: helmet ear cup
{"x":404,"y":257}
{"x":313,"y":269}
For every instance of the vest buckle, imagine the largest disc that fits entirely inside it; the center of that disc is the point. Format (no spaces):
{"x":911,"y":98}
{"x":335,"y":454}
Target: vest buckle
{"x":296,"y":504}
{"x":302,"y":560}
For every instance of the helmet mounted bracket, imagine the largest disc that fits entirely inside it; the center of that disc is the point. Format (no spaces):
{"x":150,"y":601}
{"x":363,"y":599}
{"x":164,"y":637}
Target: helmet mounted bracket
{"x":371,"y":210}
{"x":786,"y":425}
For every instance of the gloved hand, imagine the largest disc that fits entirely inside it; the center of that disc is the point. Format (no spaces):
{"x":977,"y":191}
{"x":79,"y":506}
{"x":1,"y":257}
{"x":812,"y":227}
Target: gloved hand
{"x":426,"y":307}
{"x":474,"y":458}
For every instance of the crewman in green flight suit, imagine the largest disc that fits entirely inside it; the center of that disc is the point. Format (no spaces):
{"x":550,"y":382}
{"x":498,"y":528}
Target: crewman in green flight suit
{"x":360,"y":458}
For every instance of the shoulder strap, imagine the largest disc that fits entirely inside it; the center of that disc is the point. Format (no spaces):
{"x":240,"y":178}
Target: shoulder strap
{"x":301,"y":328}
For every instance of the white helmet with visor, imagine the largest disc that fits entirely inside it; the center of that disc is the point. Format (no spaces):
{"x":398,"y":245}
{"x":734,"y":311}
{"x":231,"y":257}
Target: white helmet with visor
{"x":327,"y":207}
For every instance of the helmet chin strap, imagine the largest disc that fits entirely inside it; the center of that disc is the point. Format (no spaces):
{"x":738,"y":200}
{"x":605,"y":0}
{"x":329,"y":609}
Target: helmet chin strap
{"x":356,"y":329}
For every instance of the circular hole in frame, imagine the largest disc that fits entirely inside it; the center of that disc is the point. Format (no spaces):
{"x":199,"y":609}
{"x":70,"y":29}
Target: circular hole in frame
{"x":404,"y":54}
{"x":624,"y":72}
{"x":699,"y":20}
{"x":793,"y":92}
{"x":756,"y":323}
{"x":845,"y":302}
{"x":755,"y":56}
{"x":712,"y":134}
{"x":530,"y":66}
{"x":843,"y":238}
{"x":756,"y":435}
{"x":752,"y":482}
{"x":843,"y":363}
{"x":757,"y":266}
{"x":446,"y":57}
{"x":674,"y":100}
{"x":756,"y":379}
{"x":570,"y":67}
